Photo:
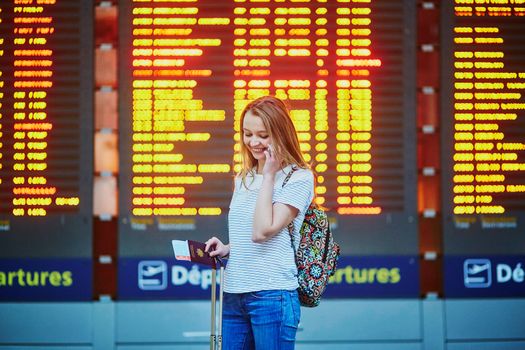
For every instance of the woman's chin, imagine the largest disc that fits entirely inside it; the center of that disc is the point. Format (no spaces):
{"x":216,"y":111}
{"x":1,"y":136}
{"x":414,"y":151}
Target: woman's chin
{"x":258,"y":156}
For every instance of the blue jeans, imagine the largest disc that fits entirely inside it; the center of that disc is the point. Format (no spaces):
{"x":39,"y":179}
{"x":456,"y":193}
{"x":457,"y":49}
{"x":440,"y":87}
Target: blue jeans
{"x":264,"y":320}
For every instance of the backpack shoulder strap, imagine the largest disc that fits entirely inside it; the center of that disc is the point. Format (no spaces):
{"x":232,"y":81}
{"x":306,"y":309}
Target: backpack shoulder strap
{"x":290,"y":225}
{"x":289,"y":175}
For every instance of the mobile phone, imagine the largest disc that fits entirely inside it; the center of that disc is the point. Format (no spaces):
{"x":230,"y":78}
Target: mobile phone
{"x":270,"y":149}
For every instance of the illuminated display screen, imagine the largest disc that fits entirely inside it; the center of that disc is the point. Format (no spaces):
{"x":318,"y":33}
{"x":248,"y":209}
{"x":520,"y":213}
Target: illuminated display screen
{"x":189,"y":68}
{"x":484,"y":127}
{"x":45,"y":127}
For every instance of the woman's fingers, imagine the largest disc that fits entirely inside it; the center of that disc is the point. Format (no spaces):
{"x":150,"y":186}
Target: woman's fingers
{"x":215,"y":247}
{"x":210,"y":243}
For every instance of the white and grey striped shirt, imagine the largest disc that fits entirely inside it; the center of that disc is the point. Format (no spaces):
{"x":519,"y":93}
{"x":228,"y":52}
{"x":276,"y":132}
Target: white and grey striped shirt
{"x":269,"y":265}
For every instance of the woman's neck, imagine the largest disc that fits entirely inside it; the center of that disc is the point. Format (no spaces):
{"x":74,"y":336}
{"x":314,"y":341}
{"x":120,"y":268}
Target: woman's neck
{"x":260,"y":167}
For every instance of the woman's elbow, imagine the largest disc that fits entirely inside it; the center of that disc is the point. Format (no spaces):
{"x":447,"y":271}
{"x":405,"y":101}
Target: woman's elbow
{"x":261,"y":236}
{"x":258,"y":237}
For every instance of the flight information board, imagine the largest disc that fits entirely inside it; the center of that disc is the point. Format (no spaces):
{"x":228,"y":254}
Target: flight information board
{"x":346,"y":68}
{"x":46,"y":117}
{"x":483,"y":126}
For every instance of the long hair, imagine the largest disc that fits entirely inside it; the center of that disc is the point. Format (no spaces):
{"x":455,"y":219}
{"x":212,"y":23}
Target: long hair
{"x":278,"y":123}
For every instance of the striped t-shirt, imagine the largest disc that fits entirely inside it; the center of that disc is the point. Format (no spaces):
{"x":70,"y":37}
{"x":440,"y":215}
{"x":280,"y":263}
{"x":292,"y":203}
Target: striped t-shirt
{"x":269,"y":265}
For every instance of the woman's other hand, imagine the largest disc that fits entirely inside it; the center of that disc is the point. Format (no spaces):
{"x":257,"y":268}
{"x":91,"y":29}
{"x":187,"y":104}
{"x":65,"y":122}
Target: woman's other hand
{"x":215,"y":247}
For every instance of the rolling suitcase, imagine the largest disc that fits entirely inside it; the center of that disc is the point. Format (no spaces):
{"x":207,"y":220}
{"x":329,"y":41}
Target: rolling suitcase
{"x":216,"y":336}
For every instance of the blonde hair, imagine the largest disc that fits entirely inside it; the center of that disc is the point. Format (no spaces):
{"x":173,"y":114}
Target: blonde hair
{"x":277,"y":121}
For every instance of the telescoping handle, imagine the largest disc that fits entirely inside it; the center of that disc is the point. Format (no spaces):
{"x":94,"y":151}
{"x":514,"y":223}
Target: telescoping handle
{"x":216,"y":337}
{"x":221,"y":284}
{"x":213,"y":340}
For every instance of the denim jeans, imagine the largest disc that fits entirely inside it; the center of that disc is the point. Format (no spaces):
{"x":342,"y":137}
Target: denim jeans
{"x":264,"y":320}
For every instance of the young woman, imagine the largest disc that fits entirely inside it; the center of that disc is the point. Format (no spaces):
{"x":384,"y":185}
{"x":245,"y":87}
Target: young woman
{"x":261,"y":306}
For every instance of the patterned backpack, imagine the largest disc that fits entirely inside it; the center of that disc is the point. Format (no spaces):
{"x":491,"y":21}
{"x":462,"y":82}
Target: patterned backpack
{"x":317,"y":254}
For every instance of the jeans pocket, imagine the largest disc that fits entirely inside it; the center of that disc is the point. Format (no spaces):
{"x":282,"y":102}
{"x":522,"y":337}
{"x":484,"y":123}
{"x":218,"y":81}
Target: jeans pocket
{"x":292,"y":310}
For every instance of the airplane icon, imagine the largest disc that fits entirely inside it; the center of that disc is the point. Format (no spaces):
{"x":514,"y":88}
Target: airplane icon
{"x":152,"y":275}
{"x":477,"y":273}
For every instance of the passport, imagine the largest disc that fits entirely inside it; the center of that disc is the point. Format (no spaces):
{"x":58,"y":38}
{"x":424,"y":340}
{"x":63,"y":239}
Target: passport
{"x":192,"y":251}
